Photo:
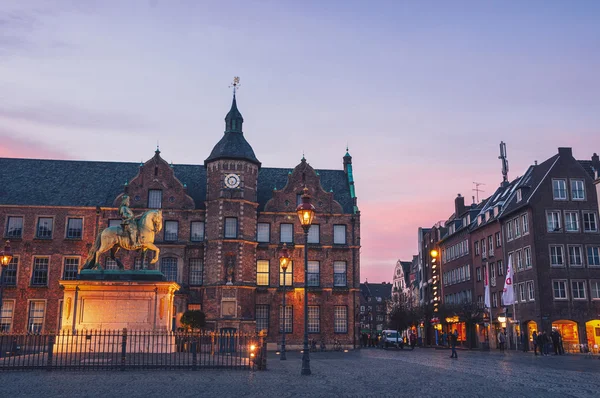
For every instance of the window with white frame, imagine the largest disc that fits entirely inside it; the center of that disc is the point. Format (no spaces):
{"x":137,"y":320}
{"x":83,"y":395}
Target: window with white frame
{"x":154,"y":198}
{"x":559,"y":189}
{"x":262,"y":273}
{"x":39,"y":275}
{"x":339,"y":274}
{"x":578,"y":290}
{"x":556,"y":256}
{"x":575,"y":256}
{"x":468,"y":272}
{"x":500,"y":267}
{"x":522,"y":296}
{"x":589,"y":222}
{"x":14,"y":227}
{"x":285,"y":318}
{"x":478,"y":274}
{"x":593,"y":256}
{"x":6,"y":316}
{"x":196,"y":271}
{"x":492,"y":274}
{"x":340,"y":319}
{"x":289,"y":272}
{"x":509,"y":231}
{"x":44,"y":228}
{"x":313,"y":234}
{"x":262,"y":318}
{"x":339,"y":234}
{"x":168,"y":267}
{"x":553,"y":221}
{"x":231,"y":227}
{"x":519,"y":257}
{"x":491,"y":245}
{"x":572,"y":221}
{"x":197,"y":231}
{"x":74,"y":228}
{"x":476,"y":247}
{"x":263,"y":232}
{"x":483,"y":248}
{"x":314,"y":319}
{"x":517,"y":227}
{"x":171,"y":231}
{"x":498,"y":239}
{"x":525,"y":222}
{"x":577,"y":190}
{"x":35,"y":322}
{"x":286,"y":233}
{"x":595,"y":290}
{"x":559,"y":288}
{"x":530,"y":291}
{"x":9,"y":273}
{"x":70,"y":268}
{"x":313,"y":275}
{"x":494,"y":300}
{"x":519,"y":195}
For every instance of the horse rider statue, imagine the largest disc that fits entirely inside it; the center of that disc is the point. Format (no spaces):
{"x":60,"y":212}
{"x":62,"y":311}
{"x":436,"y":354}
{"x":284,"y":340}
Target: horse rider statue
{"x":129,"y":222}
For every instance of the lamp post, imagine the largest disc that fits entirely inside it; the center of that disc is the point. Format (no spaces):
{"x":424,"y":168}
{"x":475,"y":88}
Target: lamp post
{"x":306,"y":213}
{"x":5,"y":259}
{"x":284,"y":261}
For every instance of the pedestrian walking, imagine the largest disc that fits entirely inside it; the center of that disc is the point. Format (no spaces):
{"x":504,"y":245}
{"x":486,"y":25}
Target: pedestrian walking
{"x":547,"y":342}
{"x":413,"y":340}
{"x":540,"y":343}
{"x":501,"y":340}
{"x":555,"y":340}
{"x":453,"y":341}
{"x":534,"y":340}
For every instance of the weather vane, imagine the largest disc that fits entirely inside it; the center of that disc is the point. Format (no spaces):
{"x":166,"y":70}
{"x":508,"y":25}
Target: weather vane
{"x":236,"y":84}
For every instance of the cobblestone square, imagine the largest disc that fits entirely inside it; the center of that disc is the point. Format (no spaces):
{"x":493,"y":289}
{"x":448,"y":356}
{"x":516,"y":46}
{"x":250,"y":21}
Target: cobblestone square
{"x":364,"y":373}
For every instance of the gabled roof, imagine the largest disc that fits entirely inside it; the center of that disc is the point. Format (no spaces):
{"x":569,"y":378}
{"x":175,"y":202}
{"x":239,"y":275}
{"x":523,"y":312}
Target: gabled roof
{"x":35,"y":182}
{"x":588,"y":167}
{"x":383,"y":290}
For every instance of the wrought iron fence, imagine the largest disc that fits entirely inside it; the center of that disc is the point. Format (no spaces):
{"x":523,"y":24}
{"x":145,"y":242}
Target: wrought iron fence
{"x":116,"y":349}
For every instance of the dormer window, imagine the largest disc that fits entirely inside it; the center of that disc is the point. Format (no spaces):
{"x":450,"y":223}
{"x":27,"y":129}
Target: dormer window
{"x":519,"y":196}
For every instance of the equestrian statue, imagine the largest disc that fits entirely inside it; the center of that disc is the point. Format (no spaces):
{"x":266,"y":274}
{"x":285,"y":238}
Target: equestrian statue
{"x":134,"y":233}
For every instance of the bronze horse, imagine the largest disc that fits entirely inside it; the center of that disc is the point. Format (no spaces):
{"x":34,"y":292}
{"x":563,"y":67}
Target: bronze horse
{"x":114,"y":238}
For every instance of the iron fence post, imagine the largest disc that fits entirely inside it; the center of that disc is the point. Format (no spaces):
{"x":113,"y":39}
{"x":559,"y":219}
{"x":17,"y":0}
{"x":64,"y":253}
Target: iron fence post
{"x":194,"y":354}
{"x":50,"y":352}
{"x":124,"y":349}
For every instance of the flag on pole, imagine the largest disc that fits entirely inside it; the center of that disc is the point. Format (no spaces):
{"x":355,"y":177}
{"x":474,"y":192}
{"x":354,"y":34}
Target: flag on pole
{"x":487,"y":289}
{"x":508,"y":294}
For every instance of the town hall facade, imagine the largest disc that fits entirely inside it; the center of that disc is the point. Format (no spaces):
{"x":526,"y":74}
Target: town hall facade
{"x":225,"y":223}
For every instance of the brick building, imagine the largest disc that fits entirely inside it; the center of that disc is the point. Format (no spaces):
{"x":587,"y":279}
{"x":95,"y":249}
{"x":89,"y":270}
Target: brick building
{"x":224,"y":220}
{"x":401,"y":293}
{"x":375,"y":301}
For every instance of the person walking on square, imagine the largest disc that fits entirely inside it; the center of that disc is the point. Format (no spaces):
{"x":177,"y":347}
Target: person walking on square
{"x":546,"y":341}
{"x":413,"y":340}
{"x":554,"y":337}
{"x":540,"y":343}
{"x":534,"y":340}
{"x":501,"y":340}
{"x":453,"y":341}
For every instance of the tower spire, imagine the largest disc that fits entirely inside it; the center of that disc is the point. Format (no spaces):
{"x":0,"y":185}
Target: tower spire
{"x":234,"y":119}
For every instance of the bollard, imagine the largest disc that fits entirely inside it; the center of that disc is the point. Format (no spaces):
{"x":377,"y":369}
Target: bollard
{"x":194,"y":355}
{"x":50,"y":352}
{"x":124,"y":349}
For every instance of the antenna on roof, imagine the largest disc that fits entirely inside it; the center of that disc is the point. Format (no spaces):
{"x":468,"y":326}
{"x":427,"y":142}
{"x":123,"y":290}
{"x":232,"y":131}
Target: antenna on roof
{"x":477,"y":190}
{"x":504,"y":162}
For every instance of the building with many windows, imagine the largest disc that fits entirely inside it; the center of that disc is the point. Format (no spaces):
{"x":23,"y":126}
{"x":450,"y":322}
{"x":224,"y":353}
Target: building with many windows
{"x":225,"y":222}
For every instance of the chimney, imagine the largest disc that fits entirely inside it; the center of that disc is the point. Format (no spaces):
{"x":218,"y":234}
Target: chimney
{"x":596,"y":162}
{"x":565,"y":152}
{"x":459,"y":205}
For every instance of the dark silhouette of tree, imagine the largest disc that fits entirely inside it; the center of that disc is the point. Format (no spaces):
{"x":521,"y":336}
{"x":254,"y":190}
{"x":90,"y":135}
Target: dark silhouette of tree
{"x":193,"y":319}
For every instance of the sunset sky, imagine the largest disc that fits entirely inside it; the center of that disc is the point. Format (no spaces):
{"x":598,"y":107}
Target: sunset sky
{"x":422,"y":92}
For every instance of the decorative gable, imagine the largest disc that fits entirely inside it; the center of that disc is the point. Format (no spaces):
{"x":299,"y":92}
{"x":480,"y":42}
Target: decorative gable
{"x":286,"y":199}
{"x":156,"y":175}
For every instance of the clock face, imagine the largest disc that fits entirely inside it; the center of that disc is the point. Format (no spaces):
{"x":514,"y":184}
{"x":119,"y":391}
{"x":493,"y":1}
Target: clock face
{"x":232,"y":180}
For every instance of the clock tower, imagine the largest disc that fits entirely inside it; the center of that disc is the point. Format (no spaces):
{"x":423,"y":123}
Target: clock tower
{"x":231,"y":214}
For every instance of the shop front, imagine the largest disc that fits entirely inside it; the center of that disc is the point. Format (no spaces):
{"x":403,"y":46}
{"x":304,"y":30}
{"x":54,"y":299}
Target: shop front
{"x":570,"y":334}
{"x":592,"y":330}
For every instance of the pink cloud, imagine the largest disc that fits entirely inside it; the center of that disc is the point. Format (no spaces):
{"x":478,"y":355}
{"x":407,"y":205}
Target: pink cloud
{"x":11,"y":147}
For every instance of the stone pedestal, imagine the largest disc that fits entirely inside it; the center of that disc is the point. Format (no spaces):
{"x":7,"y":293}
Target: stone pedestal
{"x":113,"y":300}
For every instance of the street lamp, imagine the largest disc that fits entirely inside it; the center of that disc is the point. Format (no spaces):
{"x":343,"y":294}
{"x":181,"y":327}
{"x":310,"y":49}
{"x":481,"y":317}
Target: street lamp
{"x":5,"y":259}
{"x":306,"y":213}
{"x":284,"y":262}
{"x":435,"y":272}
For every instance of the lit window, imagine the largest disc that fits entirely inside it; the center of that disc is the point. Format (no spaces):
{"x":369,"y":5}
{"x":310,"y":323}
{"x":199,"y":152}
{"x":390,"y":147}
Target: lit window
{"x":9,"y":274}
{"x":262,"y":272}
{"x":288,"y":274}
{"x":6,"y":316}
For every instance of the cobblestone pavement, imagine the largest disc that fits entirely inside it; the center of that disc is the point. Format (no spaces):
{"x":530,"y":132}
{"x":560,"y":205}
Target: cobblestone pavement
{"x":365,"y":373}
